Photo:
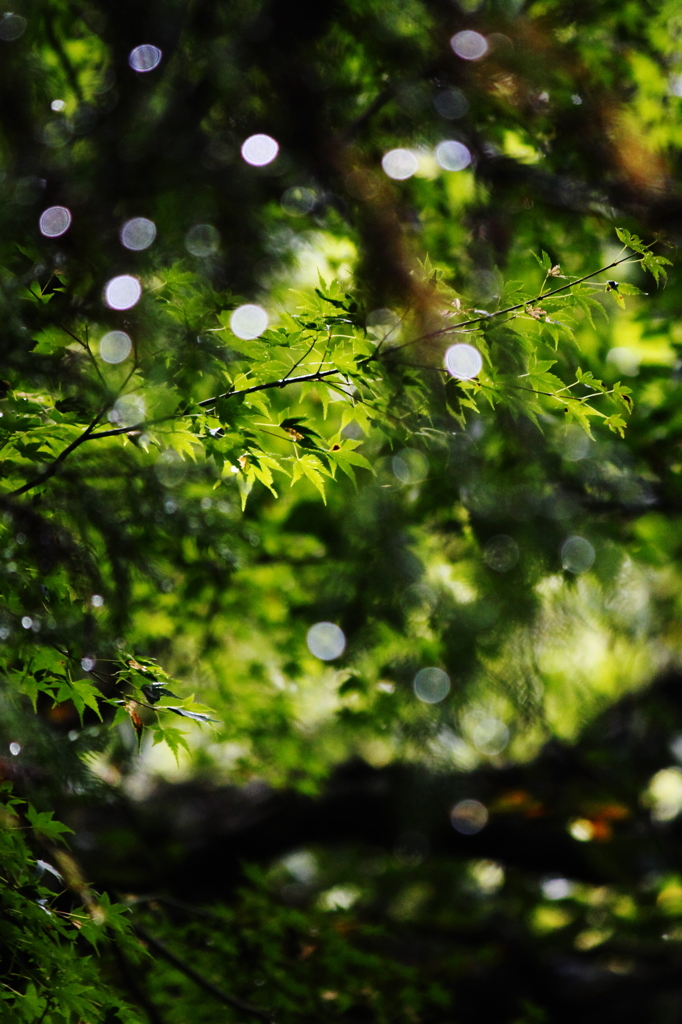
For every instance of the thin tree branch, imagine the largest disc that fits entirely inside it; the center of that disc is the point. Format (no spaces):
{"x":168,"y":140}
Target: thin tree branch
{"x":199,"y":979}
{"x":169,"y":901}
{"x":510,"y":309}
{"x":375,"y":106}
{"x":283,"y":382}
{"x":50,"y":470}
{"x":317,"y":375}
{"x":136,"y":990}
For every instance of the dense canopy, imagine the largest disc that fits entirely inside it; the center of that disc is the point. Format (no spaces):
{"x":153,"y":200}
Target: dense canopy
{"x":340,"y":505}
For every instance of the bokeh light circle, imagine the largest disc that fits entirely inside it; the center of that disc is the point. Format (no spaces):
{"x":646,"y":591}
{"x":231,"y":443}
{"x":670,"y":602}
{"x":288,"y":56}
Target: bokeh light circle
{"x":577,"y":555}
{"x":260,"y":150}
{"x":145,"y":58}
{"x":490,"y":736}
{"x":326,"y":641}
{"x":122,"y":292}
{"x":202,"y":240}
{"x":469,"y":45}
{"x":431,"y":685}
{"x":468,"y":817}
{"x":11,"y":27}
{"x":452,"y":155}
{"x":298,"y":201}
{"x":55,"y":221}
{"x":501,"y":553}
{"x":170,"y":468}
{"x":399,"y":164}
{"x":248,"y":321}
{"x":410,"y":466}
{"x":463,"y":361}
{"x":115,"y":346}
{"x":138,"y":234}
{"x":128,"y":411}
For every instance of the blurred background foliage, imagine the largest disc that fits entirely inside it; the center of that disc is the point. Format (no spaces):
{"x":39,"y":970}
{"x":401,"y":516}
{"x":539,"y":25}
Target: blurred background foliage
{"x":347,"y":838}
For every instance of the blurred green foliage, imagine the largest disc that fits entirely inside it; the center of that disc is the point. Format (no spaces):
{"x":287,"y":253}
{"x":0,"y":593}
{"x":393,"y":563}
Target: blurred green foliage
{"x":261,"y":528}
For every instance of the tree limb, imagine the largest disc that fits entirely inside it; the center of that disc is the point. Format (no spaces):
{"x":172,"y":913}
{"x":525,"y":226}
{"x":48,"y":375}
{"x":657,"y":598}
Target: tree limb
{"x":199,"y":979}
{"x":50,"y":470}
{"x":317,"y":375}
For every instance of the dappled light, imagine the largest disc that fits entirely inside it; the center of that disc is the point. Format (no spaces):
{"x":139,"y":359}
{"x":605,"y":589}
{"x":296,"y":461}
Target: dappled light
{"x":452,"y":155}
{"x":259,"y":150}
{"x":145,"y":58}
{"x":55,"y":221}
{"x":469,"y":45}
{"x":463,"y":361}
{"x":340,"y":513}
{"x":399,"y":164}
{"x":326,"y":641}
{"x":115,"y":346}
{"x":248,"y":321}
{"x":122,"y":292}
{"x":431,"y":685}
{"x":138,"y":234}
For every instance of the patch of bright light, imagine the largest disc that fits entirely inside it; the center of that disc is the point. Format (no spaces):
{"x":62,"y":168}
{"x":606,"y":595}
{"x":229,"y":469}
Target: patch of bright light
{"x":326,"y":641}
{"x":468,"y":817}
{"x":138,"y":233}
{"x":399,"y":164}
{"x":248,"y":321}
{"x":431,"y":685}
{"x":463,"y":361}
{"x":469,"y":45}
{"x":452,"y":155}
{"x":122,"y":292}
{"x":55,"y":221}
{"x":128,"y":411}
{"x":145,"y":58}
{"x":115,"y":346}
{"x":557,"y":889}
{"x":260,"y":150}
{"x":340,"y":897}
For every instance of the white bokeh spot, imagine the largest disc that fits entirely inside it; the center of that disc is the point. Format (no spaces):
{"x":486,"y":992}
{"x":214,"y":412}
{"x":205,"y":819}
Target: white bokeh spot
{"x":122,"y":292}
{"x":463,"y":361}
{"x":260,"y":150}
{"x":469,"y":45}
{"x":326,"y":641}
{"x":138,"y":234}
{"x":248,"y":321}
{"x":145,"y":58}
{"x":115,"y":346}
{"x":399,"y":164}
{"x":452,"y":155}
{"x":55,"y":221}
{"x":431,"y":685}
